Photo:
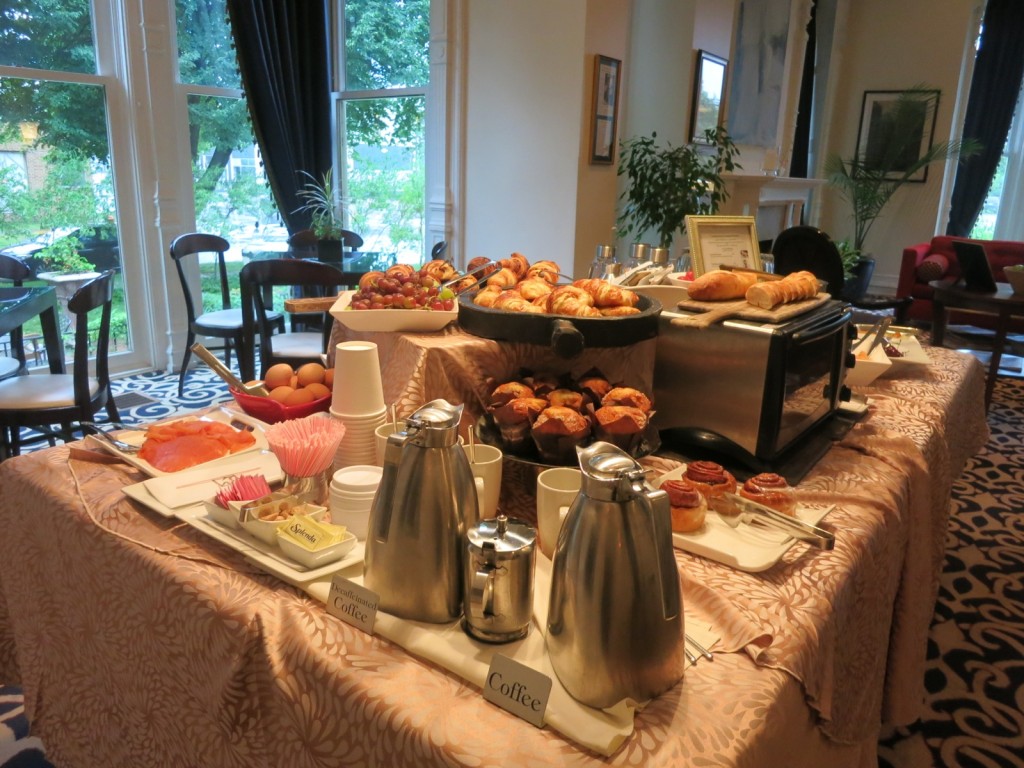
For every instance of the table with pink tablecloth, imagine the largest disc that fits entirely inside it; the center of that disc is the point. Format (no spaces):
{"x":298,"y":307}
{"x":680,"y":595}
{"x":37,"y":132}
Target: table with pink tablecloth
{"x":141,"y":642}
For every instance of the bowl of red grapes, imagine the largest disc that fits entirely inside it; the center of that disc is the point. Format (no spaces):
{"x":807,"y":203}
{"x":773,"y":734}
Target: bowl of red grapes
{"x":403,"y":298}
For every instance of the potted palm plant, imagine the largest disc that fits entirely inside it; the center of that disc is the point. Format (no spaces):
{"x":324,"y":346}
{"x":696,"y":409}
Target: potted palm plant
{"x":326,"y":213}
{"x":867,"y":184}
{"x":666,"y":184}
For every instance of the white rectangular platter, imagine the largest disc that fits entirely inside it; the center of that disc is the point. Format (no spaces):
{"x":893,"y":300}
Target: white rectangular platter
{"x":748,"y":548}
{"x":223,"y":415}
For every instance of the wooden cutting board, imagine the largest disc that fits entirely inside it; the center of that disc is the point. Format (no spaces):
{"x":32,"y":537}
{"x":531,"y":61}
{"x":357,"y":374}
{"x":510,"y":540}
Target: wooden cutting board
{"x":707,"y":313}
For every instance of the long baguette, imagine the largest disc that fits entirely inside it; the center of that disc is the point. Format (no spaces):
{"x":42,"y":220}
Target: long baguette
{"x":719,"y":285}
{"x":794,"y":287}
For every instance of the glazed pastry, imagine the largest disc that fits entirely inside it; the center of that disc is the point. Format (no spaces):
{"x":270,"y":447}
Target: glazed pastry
{"x":793,"y":287}
{"x":689,"y":507}
{"x":480,"y":266}
{"x":772,"y":490}
{"x":720,"y":285}
{"x":516,"y":417}
{"x":572,"y":301}
{"x":565,"y":397}
{"x":400,"y":271}
{"x":487,"y":295}
{"x":439,"y":269}
{"x":620,"y":425}
{"x":534,"y":288}
{"x":368,"y":280}
{"x":627,"y":396}
{"x":512,"y":301}
{"x":557,"y":431}
{"x":504,"y":278}
{"x":607,"y":295}
{"x":510,"y":390}
{"x":713,"y":480}
{"x":544,"y":270}
{"x":518,"y":263}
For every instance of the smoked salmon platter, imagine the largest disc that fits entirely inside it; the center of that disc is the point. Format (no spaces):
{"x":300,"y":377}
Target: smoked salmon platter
{"x":194,"y":441}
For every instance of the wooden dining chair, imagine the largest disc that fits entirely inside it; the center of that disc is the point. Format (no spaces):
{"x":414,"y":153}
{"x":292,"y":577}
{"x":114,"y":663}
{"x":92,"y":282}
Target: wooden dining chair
{"x":15,"y":271}
{"x":296,"y":347}
{"x":41,"y":401}
{"x":224,"y":323}
{"x":306,"y":240}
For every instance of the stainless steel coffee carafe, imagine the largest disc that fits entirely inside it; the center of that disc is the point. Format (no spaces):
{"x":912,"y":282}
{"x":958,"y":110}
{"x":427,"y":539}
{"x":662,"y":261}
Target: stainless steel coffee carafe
{"x":424,"y":503}
{"x":498,"y":579}
{"x":615,"y":620}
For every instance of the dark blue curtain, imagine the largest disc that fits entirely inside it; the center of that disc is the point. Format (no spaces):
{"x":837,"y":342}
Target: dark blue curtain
{"x":284,"y":57}
{"x":998,"y":69}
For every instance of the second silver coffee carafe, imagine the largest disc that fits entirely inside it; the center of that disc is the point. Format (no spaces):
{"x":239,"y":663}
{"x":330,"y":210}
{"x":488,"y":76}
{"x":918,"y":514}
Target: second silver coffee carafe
{"x":425,"y":500}
{"x":615,"y":620}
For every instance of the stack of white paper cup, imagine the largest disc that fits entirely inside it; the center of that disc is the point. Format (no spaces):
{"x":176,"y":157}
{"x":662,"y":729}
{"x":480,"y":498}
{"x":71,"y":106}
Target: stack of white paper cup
{"x":358,"y":401}
{"x":352,"y":492}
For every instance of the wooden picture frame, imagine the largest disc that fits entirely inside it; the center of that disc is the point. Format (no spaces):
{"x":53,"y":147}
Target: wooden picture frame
{"x":708,"y":95}
{"x":896,"y":131}
{"x":723,"y":240}
{"x":607,"y":76}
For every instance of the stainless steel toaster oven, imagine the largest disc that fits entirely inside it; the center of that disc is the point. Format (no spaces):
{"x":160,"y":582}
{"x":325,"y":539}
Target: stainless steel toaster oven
{"x":747,"y":389}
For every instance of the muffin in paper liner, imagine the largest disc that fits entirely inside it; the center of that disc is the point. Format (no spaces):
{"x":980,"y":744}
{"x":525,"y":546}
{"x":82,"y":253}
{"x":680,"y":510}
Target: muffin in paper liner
{"x":557,"y":432}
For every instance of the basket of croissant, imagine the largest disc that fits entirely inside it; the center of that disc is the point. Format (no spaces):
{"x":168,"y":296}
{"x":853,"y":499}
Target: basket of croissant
{"x":515,"y":300}
{"x":542,"y":417}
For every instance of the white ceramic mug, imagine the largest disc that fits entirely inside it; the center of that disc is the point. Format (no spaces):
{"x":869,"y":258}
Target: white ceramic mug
{"x":557,"y":488}
{"x":486,"y":471}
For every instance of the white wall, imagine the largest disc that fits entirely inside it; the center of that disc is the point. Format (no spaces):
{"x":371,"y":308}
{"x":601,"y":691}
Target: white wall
{"x":524,"y":95}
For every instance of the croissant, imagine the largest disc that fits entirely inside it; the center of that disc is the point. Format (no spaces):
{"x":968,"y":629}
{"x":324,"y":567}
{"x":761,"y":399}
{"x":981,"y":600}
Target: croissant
{"x":607,"y":295}
{"x":573,"y":301}
{"x":534,"y":288}
{"x":720,"y":285}
{"x":793,"y":287}
{"x":618,"y":311}
{"x":487,"y":295}
{"x":368,"y":280}
{"x":511,"y":301}
{"x":481,"y":263}
{"x":517,"y":263}
{"x":400,"y":271}
{"x":439,"y":269}
{"x":504,"y":277}
{"x":545,"y":270}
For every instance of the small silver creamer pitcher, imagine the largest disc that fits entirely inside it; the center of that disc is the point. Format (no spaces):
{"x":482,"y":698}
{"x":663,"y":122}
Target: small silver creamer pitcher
{"x":424,"y":503}
{"x":498,"y":580}
{"x":615,"y":620}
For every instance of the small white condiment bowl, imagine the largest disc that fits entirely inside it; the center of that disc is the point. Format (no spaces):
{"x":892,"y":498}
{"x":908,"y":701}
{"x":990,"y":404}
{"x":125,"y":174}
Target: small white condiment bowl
{"x":317,"y":557}
{"x":266,"y":530}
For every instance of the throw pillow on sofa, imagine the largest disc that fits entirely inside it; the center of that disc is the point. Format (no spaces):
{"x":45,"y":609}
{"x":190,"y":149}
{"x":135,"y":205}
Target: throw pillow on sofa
{"x":932,"y":267}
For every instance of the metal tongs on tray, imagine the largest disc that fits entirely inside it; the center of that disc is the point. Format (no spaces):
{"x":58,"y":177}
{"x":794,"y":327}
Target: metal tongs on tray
{"x":752,"y":512}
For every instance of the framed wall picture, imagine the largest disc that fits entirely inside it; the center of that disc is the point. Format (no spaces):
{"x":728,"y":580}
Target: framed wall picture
{"x":708,"y":93}
{"x":606,"y":109}
{"x":896,"y":130}
{"x":717,"y":241}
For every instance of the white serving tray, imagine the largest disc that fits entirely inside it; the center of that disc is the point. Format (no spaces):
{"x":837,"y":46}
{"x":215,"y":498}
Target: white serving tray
{"x":223,"y":415}
{"x":746,"y":548}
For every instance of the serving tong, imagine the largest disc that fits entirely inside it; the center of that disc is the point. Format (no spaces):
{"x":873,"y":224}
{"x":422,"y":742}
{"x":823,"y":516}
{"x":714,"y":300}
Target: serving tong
{"x":752,"y":512}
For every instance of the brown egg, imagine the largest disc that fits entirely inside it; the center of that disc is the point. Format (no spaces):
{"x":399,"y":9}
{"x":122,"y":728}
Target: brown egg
{"x":318,"y":390}
{"x":329,"y":377}
{"x":299,"y":397}
{"x":279,"y":375}
{"x":281,"y":393}
{"x":310,"y":373}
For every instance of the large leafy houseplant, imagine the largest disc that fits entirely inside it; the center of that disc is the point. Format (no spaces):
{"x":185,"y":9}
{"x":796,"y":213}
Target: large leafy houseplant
{"x":666,"y":184}
{"x":868,"y":184}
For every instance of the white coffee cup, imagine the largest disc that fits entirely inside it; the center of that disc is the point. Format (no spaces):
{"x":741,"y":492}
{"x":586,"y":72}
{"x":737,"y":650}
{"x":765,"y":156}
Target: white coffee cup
{"x":382,"y":433}
{"x":485,"y":463}
{"x":557,"y":488}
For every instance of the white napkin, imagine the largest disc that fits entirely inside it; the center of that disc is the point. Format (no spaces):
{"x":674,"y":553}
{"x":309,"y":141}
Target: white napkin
{"x":191,"y":486}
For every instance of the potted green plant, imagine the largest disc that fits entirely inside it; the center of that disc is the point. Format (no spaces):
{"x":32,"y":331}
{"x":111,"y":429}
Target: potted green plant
{"x":666,"y":184}
{"x":868,"y":185}
{"x":66,"y":270}
{"x":326,"y":214}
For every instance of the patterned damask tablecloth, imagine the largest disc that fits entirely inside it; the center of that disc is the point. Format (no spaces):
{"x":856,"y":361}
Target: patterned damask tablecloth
{"x":142,"y":643}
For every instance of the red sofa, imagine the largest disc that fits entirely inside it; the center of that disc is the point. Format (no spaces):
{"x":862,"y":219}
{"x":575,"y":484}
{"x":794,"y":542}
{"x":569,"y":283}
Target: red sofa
{"x":935,"y":260}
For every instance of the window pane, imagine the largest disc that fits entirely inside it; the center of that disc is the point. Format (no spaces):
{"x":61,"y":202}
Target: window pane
{"x":231,"y":194}
{"x":387,"y":44}
{"x":205,"y":53}
{"x":48,"y":34}
{"x":385,"y":175}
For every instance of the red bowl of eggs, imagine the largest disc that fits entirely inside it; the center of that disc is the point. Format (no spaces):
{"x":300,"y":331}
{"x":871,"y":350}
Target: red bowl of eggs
{"x":294,"y":393}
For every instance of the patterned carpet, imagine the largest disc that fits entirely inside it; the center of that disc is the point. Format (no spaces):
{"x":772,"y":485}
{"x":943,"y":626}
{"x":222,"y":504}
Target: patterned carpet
{"x":974,"y":709}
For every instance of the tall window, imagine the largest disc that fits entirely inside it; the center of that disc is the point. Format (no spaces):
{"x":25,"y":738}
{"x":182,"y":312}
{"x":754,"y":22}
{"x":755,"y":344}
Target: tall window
{"x":57,"y":202}
{"x":384,"y":74}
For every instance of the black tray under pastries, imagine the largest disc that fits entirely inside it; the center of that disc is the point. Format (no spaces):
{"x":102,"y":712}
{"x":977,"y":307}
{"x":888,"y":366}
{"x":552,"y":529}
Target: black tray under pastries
{"x":567,"y":336}
{"x":526,"y":452}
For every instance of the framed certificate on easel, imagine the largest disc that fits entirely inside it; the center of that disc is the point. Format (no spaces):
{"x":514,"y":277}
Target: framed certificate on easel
{"x":723,"y":241}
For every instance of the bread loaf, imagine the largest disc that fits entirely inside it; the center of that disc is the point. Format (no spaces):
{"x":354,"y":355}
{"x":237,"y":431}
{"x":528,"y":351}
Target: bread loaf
{"x":720,"y":285}
{"x":793,"y":287}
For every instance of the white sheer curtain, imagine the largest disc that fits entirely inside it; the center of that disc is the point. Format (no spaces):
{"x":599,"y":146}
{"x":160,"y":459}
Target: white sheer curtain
{"x":1009,"y":221}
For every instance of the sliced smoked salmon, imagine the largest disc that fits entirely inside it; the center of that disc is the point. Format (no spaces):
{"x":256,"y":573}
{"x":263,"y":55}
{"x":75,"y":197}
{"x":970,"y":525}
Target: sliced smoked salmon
{"x":182,"y":444}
